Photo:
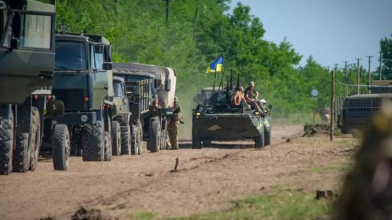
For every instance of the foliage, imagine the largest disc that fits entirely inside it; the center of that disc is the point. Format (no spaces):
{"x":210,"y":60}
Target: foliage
{"x":386,"y":51}
{"x":197,"y":33}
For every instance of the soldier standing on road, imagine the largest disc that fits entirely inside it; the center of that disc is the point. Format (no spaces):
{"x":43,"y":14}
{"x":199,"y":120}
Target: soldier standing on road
{"x":174,"y":125}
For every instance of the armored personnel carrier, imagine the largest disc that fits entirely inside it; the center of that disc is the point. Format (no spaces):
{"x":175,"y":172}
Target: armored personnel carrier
{"x":218,"y":120}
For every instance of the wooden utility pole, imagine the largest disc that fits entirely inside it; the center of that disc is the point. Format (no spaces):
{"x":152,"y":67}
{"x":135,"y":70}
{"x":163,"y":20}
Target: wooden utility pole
{"x":369,"y":74}
{"x":358,"y":75}
{"x":167,"y":11}
{"x":380,"y":65}
{"x":345,"y":69}
{"x":195,"y":22}
{"x":332,"y":106}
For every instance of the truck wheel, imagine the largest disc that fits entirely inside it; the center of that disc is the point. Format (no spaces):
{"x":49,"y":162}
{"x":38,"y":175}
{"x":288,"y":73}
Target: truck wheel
{"x":259,"y":141}
{"x":93,"y":142}
{"x":61,"y":147}
{"x":154,"y":140}
{"x":196,"y":142}
{"x":140,"y":137}
{"x":116,"y":135}
{"x":108,"y":143}
{"x":134,"y":145}
{"x":267,"y":137}
{"x":35,"y":138}
{"x":6,"y":145}
{"x":27,"y":146}
{"x":125,"y":140}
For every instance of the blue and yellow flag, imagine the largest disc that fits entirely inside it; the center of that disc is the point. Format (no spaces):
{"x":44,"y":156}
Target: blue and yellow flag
{"x":216,"y":66}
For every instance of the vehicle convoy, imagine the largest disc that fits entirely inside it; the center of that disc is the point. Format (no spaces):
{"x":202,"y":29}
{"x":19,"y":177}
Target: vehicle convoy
{"x":27,"y":60}
{"x":83,"y":80}
{"x":218,"y":120}
{"x":358,"y":109}
{"x":144,"y":85}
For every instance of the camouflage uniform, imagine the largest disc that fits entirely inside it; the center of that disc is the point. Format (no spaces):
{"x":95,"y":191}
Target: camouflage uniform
{"x":174,"y":125}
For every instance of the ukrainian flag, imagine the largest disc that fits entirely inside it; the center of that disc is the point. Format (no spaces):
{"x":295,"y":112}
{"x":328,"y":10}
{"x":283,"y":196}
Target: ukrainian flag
{"x":216,"y":66}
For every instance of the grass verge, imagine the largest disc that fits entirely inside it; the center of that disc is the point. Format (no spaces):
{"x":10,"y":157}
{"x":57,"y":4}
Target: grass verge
{"x":281,"y":206}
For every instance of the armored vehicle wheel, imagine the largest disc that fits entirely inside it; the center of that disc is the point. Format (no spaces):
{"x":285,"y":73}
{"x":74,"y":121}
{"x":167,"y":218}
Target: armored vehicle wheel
{"x":116,"y":135}
{"x":35,"y":138}
{"x":259,"y":141}
{"x":267,"y":137}
{"x":61,"y":147}
{"x":154,"y":140}
{"x":206,"y":143}
{"x":6,"y":145}
{"x":140,"y":137}
{"x":108,"y":143}
{"x":196,"y":143}
{"x":134,"y":144}
{"x":125,"y":140}
{"x":93,"y":142}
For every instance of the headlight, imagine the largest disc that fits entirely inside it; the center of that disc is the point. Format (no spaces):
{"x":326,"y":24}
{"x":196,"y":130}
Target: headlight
{"x":84,"y":118}
{"x":257,"y":114}
{"x":197,"y":114}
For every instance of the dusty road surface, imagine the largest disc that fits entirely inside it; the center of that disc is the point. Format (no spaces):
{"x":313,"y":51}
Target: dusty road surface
{"x":207,"y":180}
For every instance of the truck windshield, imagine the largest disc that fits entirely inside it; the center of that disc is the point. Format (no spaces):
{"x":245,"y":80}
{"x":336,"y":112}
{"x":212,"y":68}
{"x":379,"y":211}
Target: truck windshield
{"x":118,"y":89}
{"x":70,"y":56}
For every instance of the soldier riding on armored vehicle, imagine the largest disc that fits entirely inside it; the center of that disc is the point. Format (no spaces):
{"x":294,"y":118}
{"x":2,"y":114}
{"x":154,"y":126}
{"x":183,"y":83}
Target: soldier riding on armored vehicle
{"x":220,"y":120}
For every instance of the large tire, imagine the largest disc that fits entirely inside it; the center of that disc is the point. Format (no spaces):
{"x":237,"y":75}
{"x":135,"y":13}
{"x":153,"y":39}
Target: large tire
{"x":21,"y":157}
{"x":196,"y":142}
{"x":154,"y":140}
{"x":108,"y":143}
{"x":139,"y":140}
{"x":6,"y":145}
{"x":259,"y":141}
{"x":27,"y":147}
{"x":35,"y":138}
{"x":125,"y":140}
{"x":116,"y":136}
{"x":267,"y":137}
{"x":93,"y":142}
{"x":61,"y":147}
{"x":134,"y":142}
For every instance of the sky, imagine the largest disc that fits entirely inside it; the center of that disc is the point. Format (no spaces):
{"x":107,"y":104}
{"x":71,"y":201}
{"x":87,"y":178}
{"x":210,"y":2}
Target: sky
{"x":332,"y":31}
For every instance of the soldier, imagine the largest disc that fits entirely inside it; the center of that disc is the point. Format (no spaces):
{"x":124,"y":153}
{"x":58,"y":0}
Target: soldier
{"x":174,"y":125}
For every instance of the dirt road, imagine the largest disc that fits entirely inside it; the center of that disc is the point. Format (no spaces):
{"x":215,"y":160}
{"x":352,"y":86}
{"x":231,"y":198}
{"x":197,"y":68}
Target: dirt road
{"x":207,"y":179}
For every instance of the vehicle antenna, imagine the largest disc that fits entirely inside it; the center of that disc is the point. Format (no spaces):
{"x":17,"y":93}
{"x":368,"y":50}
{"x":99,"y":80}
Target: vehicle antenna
{"x":231,"y":79}
{"x":238,"y":82}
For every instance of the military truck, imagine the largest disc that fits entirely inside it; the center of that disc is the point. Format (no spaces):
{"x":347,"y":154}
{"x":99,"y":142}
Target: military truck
{"x":219,"y":120}
{"x":27,"y":60}
{"x":83,"y":80}
{"x":144,"y":84}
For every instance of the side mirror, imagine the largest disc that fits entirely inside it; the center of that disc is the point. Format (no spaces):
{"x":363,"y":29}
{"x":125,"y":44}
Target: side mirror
{"x":270,"y":107}
{"x":3,"y":6}
{"x":107,"y":66}
{"x":108,"y":53}
{"x":168,"y":85}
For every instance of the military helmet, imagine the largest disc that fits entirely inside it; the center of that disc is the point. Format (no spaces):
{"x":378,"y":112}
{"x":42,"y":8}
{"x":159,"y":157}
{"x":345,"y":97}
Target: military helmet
{"x":176,"y":99}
